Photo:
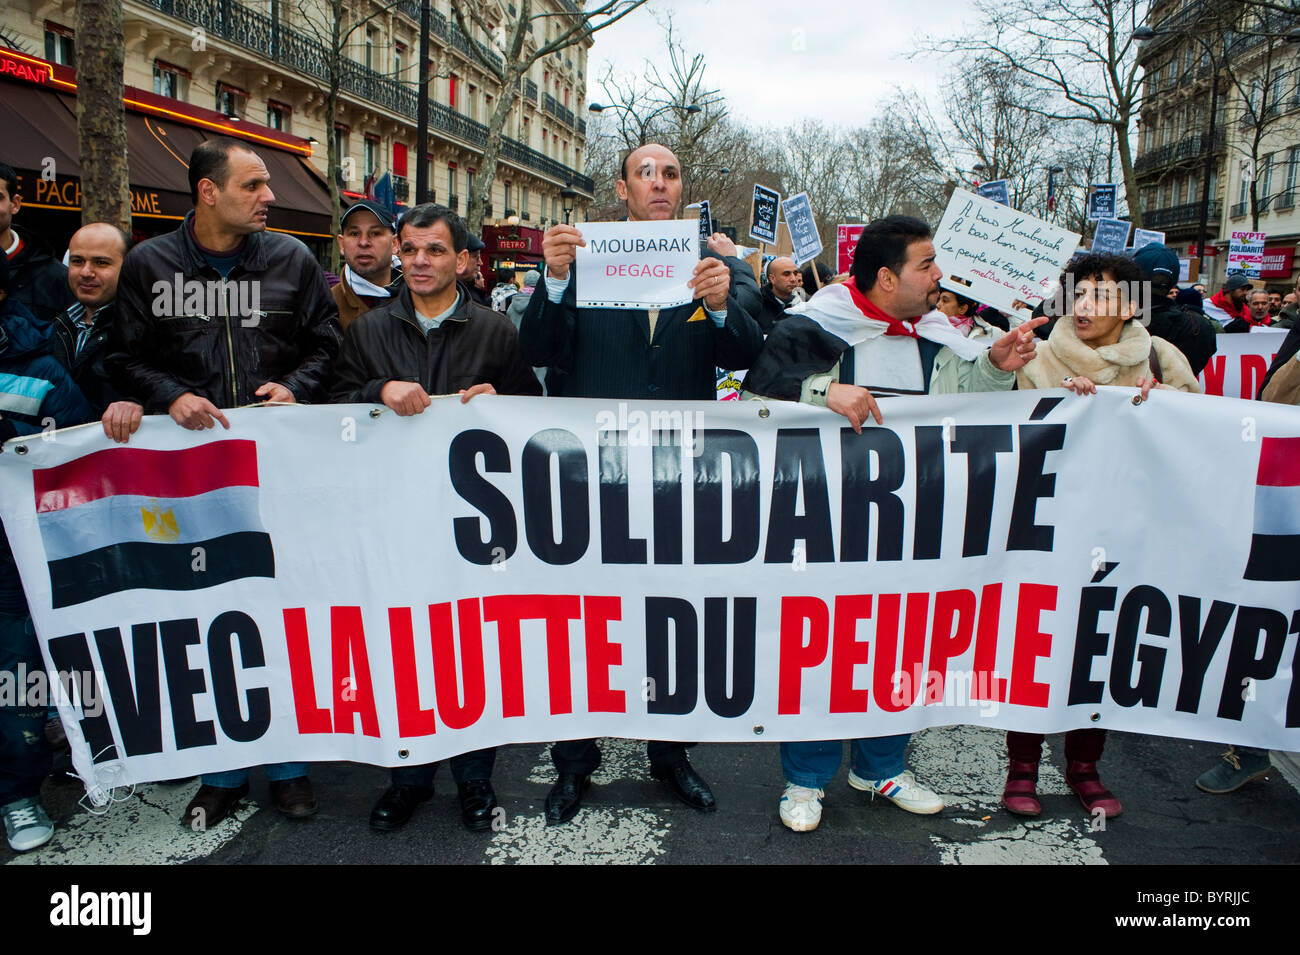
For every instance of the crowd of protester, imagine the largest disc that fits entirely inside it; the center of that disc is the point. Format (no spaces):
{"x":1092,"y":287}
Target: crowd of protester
{"x":411,"y":317}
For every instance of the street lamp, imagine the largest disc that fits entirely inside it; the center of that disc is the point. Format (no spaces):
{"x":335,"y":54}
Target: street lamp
{"x":567,"y":196}
{"x":643,"y":122}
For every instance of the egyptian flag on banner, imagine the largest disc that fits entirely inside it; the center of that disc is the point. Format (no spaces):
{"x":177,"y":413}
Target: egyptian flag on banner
{"x":1275,"y":544}
{"x":161,"y":520}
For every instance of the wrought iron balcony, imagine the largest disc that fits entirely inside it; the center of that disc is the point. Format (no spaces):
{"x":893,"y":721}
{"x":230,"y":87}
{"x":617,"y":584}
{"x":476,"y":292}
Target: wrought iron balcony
{"x":551,"y":105}
{"x":401,"y":188}
{"x":530,"y":90}
{"x":1238,"y":210}
{"x":409,"y":8}
{"x":1188,"y":213}
{"x":453,"y":203}
{"x":1284,"y":200}
{"x":1189,"y":147}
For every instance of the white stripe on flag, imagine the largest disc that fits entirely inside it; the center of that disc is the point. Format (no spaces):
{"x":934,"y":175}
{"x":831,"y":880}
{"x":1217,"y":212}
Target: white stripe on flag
{"x":1277,"y":510}
{"x":120,"y":519}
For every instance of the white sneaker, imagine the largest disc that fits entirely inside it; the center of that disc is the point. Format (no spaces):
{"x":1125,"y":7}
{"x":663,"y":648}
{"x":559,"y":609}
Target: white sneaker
{"x":26,"y":824}
{"x":801,"y":807}
{"x":902,"y":790}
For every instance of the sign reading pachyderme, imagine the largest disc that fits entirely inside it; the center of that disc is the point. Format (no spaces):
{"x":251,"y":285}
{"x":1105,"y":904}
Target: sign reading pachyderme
{"x":318,"y":583}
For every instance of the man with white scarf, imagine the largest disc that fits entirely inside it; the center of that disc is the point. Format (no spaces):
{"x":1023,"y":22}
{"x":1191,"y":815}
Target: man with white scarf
{"x":870,"y":337}
{"x":367,"y":242}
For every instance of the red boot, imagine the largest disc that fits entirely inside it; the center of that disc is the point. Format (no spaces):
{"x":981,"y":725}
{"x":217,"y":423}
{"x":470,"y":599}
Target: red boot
{"x":1083,"y":779}
{"x":1021,"y":794}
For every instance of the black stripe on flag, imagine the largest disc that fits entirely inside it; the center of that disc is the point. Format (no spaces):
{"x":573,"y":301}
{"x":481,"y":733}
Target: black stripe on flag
{"x":155,"y":566}
{"x":1274,"y":557}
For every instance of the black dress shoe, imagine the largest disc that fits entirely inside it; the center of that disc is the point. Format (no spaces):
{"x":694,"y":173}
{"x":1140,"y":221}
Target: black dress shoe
{"x":477,"y":803}
{"x":565,"y":799}
{"x":687,"y":785}
{"x":210,"y":805}
{"x":395,"y":807}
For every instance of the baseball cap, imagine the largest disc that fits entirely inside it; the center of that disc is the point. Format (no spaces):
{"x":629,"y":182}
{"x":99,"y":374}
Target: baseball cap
{"x":1235,"y":282}
{"x":1155,"y":260}
{"x":383,"y":215}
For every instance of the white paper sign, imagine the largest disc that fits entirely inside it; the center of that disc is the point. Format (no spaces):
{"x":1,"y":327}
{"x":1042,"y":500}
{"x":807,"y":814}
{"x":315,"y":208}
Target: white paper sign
{"x":637,"y":264}
{"x":1143,"y":237}
{"x":1246,"y":253}
{"x":1239,"y":364}
{"x":997,"y":255}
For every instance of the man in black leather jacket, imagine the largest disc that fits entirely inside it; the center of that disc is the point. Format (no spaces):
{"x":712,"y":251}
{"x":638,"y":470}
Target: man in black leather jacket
{"x":220,"y":314}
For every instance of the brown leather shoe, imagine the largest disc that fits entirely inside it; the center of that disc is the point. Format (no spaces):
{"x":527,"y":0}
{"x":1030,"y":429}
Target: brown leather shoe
{"x":294,"y":797}
{"x":210,"y":805}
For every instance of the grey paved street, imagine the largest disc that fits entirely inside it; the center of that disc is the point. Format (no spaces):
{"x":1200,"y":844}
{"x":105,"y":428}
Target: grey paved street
{"x":630,"y":818}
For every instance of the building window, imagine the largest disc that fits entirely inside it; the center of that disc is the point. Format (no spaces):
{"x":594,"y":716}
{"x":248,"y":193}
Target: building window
{"x":370,"y":50}
{"x":399,"y":159}
{"x":451,"y":91}
{"x":399,"y":62}
{"x":346,"y":171}
{"x":168,"y":80}
{"x":508,"y":207}
{"x":372,"y":156}
{"x":469,"y":186}
{"x":231,"y":101}
{"x":59,"y":45}
{"x":277,"y":115}
{"x":1265,"y":182}
{"x":451,"y":185}
{"x":1293,"y":161}
{"x":523,"y":200}
{"x":1243,"y":188}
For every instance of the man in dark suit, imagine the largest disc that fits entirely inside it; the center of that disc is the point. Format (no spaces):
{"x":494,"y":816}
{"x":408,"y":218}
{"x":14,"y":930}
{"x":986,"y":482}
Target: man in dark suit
{"x":656,"y":354}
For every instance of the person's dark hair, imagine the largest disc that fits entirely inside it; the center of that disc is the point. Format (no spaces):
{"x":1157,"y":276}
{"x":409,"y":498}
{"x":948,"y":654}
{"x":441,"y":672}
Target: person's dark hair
{"x":505,"y":274}
{"x":428,"y":214}
{"x":1094,"y":266}
{"x":823,"y":272}
{"x":884,"y":244}
{"x":211,"y":160}
{"x":9,"y":178}
{"x":963,"y":302}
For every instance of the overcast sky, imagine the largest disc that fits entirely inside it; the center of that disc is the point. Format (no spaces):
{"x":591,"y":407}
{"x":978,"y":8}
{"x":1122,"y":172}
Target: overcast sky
{"x":781,"y":61}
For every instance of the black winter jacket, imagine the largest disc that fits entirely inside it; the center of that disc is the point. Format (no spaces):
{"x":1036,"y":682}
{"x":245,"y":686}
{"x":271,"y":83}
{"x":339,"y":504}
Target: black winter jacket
{"x":1189,"y":332}
{"x":38,"y":280}
{"x":474,"y":345}
{"x":87,"y":367}
{"x":284,"y":327}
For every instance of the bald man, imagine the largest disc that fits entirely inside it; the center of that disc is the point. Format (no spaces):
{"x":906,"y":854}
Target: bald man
{"x":80,"y":337}
{"x":657,"y":354}
{"x":784,"y":288}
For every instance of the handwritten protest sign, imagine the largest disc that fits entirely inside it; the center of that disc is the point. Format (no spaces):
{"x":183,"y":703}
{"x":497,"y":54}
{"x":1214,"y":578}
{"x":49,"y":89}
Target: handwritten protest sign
{"x":1101,"y":200}
{"x":996,"y":190}
{"x":763,"y":214}
{"x":1111,"y":235}
{"x":803,"y":227}
{"x":846,"y":241}
{"x":636,"y":264}
{"x":1246,"y":253}
{"x":1143,"y":237}
{"x":998,"y":256}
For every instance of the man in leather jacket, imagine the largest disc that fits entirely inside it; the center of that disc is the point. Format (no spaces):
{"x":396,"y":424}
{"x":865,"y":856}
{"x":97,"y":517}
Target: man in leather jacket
{"x":219,"y":314}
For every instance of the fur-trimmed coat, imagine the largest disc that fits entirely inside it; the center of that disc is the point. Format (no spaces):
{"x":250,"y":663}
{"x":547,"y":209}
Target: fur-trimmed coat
{"x":1065,"y":356}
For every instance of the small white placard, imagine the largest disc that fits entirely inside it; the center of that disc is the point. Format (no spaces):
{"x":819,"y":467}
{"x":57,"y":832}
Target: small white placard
{"x":637,"y":265}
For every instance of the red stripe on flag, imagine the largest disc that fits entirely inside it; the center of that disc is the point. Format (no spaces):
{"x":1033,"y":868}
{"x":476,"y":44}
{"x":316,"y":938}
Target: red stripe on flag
{"x":1279,"y":462}
{"x":148,"y":473}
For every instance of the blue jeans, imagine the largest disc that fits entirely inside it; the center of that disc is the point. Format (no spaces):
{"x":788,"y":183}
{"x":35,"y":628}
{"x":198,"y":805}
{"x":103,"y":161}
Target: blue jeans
{"x":814,"y":764}
{"x":25,"y":758}
{"x":234,"y":778}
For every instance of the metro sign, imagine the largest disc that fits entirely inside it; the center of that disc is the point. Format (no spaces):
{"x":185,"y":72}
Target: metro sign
{"x":512,"y":245}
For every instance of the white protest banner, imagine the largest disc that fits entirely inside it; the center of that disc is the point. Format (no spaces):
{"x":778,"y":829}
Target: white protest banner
{"x":1101,"y":200}
{"x":1143,"y":237}
{"x":1111,"y":236}
{"x":1238,"y":365}
{"x":803,"y":228}
{"x":636,"y":264}
{"x":998,"y":256}
{"x":317,"y":583}
{"x":763,"y":214}
{"x":1246,"y":253}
